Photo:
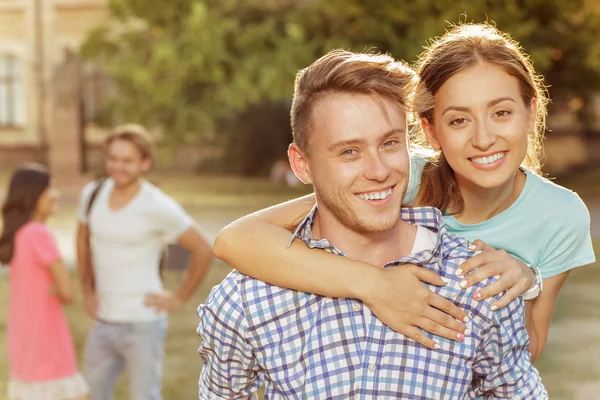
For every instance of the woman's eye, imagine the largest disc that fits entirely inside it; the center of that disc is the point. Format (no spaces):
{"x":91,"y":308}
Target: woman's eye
{"x":390,"y":143}
{"x":502,"y":113}
{"x":458,"y":121}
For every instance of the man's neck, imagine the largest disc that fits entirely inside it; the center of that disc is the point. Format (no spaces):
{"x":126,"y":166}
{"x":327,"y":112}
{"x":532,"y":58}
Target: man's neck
{"x":482,"y":204}
{"x":121,"y":196}
{"x":128,"y":190}
{"x":374,"y":248}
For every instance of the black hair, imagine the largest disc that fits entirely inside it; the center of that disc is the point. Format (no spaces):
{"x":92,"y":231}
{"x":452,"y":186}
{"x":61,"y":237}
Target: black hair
{"x":27,"y":184}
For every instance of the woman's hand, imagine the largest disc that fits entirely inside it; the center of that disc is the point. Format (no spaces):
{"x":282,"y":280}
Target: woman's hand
{"x":516,"y":277}
{"x":400,"y":300}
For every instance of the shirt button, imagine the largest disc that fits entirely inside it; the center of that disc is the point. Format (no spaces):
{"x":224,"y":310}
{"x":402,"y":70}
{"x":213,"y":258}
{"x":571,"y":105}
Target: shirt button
{"x":356,"y":307}
{"x":372,"y":367}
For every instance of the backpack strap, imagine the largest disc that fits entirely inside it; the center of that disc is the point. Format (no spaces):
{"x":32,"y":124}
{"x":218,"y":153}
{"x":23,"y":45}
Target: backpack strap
{"x":93,"y":196}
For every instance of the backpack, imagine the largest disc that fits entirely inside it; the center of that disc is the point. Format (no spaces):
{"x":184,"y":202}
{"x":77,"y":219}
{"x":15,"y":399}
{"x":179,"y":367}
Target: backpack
{"x":173,"y":256}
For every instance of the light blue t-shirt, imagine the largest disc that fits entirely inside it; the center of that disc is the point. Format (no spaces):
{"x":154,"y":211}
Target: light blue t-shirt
{"x":547,"y":226}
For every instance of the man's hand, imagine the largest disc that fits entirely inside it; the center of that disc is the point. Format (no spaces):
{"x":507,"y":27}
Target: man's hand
{"x":401,"y":301}
{"x":516,"y":277}
{"x":164,"y":301}
{"x":90,"y":304}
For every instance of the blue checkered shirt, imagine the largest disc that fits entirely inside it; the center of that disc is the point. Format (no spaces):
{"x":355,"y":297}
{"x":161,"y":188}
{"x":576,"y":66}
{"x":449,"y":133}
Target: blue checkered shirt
{"x":304,"y":346}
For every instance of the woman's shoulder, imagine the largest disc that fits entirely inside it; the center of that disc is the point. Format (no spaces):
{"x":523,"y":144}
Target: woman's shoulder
{"x":420,"y":155}
{"x":556,"y":201}
{"x":33,"y":229}
{"x":418,"y":159}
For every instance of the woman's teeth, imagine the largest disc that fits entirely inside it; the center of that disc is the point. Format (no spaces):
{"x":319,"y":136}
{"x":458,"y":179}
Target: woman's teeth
{"x":488,"y":160}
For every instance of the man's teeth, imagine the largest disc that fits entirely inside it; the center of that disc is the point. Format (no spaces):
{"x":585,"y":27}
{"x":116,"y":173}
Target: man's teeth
{"x":488,"y":160}
{"x":375,"y":195}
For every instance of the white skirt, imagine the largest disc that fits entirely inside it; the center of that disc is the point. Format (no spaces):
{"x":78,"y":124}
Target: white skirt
{"x":72,"y":387}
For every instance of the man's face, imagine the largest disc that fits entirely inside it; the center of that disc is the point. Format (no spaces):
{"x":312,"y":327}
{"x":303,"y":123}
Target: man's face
{"x":124,"y":163}
{"x":358,"y":161}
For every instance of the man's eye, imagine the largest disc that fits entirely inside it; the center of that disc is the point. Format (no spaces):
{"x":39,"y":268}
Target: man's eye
{"x":349,"y":152}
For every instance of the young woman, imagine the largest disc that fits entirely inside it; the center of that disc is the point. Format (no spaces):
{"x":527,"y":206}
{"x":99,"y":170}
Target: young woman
{"x":40,"y":348}
{"x":482,"y":109}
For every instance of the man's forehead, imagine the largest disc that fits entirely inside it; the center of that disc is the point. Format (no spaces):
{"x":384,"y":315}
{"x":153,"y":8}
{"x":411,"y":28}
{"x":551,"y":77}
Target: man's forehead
{"x":364,"y":115}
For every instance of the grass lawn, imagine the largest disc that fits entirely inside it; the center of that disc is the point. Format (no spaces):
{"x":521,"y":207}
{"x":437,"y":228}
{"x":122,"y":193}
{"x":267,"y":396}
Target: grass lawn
{"x":214,"y":202}
{"x":567,"y":366}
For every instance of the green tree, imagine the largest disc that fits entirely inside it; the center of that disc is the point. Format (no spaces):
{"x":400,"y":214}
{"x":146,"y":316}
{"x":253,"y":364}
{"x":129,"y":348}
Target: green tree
{"x":185,"y":65}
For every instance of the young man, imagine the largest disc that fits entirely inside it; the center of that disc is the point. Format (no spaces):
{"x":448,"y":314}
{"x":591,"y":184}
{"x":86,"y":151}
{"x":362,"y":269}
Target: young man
{"x":350,"y":143}
{"x":127,"y":226}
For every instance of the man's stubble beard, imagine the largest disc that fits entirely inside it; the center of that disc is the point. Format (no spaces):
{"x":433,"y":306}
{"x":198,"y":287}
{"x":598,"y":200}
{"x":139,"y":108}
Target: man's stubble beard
{"x":357,"y":223}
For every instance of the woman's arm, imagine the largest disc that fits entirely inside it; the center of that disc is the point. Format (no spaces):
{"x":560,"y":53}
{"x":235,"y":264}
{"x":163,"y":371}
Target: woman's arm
{"x":63,"y":284}
{"x":542,"y":308}
{"x":515,"y":278}
{"x":256,"y":245}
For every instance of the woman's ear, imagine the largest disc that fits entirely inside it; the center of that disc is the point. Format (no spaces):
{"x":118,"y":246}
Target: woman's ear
{"x":430,"y":133}
{"x":299,"y":163}
{"x":532,"y":115}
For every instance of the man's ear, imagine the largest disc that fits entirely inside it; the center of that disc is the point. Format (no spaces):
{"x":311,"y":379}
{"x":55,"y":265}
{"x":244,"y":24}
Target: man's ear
{"x":299,"y":163}
{"x":532,"y":115}
{"x":430,"y":133}
{"x":146,"y":164}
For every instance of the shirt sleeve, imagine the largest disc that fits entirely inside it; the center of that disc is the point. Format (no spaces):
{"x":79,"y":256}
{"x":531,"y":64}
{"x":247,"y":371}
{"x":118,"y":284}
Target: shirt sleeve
{"x":571,"y":245}
{"x":230,"y":370}
{"x":171,"y":219}
{"x":503,"y":368}
{"x":84,"y":199}
{"x":43,"y":245}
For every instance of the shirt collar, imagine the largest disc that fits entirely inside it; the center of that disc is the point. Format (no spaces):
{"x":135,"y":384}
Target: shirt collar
{"x":428,"y":217}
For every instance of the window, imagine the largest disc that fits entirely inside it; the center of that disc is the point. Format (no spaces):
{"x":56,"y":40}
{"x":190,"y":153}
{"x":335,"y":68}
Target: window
{"x":12,"y":111}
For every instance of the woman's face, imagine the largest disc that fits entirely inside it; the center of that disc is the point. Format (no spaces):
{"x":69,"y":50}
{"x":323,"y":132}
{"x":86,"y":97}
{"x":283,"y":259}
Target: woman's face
{"x":47,"y":203}
{"x":480,"y":122}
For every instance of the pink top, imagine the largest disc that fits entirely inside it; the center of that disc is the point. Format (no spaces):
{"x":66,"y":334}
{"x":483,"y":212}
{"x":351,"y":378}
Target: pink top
{"x":39,"y":341}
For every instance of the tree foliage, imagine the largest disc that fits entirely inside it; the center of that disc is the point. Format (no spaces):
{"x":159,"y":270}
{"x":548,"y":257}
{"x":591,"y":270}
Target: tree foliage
{"x":184,"y":65}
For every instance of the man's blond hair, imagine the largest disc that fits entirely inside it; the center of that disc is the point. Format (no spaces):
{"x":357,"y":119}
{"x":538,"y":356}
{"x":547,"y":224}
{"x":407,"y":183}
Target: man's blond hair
{"x":345,"y":72}
{"x":135,"y":134}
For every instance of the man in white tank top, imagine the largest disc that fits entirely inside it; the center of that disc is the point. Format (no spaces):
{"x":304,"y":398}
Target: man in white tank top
{"x":120,"y":241}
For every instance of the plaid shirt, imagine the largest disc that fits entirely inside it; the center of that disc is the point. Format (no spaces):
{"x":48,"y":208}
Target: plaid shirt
{"x":305,"y":346}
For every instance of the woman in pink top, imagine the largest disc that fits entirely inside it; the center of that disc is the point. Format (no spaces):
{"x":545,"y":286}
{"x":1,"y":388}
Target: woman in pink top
{"x":40,"y":348}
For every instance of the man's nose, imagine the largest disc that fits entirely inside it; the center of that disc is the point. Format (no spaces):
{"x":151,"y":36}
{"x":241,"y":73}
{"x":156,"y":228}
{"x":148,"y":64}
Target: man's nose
{"x":376,"y":168}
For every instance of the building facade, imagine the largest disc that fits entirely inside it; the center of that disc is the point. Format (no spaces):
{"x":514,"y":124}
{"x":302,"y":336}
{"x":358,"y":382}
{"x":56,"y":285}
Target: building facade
{"x":47,"y":96}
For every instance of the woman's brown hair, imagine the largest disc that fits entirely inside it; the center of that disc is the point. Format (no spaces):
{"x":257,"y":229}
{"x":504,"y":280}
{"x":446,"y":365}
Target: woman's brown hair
{"x":27,"y":185}
{"x":459,"y":49}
